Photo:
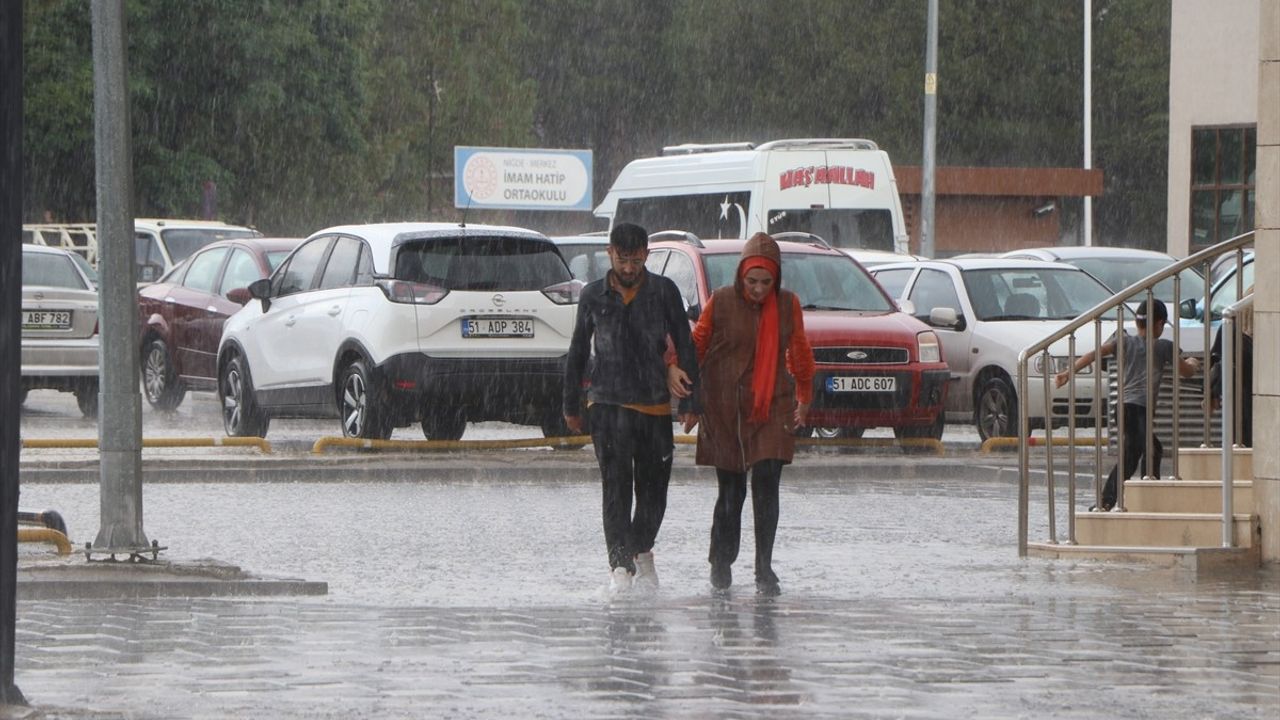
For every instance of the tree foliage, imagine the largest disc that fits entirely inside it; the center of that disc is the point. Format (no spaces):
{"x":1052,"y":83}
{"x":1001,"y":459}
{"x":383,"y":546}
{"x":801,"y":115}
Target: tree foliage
{"x":312,"y":112}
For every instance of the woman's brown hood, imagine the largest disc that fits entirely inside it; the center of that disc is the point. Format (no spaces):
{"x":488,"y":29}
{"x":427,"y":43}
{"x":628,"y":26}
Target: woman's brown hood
{"x":759,"y":244}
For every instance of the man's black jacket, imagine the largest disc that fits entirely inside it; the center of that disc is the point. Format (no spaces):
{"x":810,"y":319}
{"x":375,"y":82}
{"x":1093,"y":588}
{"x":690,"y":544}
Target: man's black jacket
{"x":625,"y":345}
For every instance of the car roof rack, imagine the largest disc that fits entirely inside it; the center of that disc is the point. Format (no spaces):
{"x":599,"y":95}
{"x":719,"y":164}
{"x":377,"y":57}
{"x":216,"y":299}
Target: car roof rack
{"x":677,"y":236}
{"x":693,"y":148}
{"x":820,"y":143}
{"x":802,"y":237}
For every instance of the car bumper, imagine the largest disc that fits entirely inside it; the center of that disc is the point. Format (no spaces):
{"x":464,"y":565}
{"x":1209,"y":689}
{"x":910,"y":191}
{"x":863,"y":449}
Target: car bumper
{"x":521,"y":390}
{"x":917,"y":398}
{"x":59,"y":359}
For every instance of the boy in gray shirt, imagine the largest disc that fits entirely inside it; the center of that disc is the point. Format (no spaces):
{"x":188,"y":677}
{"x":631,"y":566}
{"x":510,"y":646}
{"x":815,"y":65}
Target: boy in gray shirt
{"x":1137,"y":390}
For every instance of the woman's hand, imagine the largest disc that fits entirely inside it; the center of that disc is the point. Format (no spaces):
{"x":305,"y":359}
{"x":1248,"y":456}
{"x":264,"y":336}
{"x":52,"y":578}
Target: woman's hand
{"x":802,"y":414}
{"x":678,"y":383}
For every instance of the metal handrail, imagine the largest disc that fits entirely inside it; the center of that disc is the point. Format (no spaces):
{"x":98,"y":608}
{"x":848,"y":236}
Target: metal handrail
{"x":1095,"y":315}
{"x":1229,"y":416}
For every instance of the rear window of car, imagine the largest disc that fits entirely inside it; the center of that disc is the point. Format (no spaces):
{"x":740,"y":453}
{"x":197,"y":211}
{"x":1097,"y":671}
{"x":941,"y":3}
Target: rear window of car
{"x":482,"y":263}
{"x":822,"y":282}
{"x":50,"y":270}
{"x":183,"y":242}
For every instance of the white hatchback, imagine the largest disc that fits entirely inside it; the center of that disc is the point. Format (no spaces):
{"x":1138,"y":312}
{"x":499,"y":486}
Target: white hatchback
{"x":386,"y":325}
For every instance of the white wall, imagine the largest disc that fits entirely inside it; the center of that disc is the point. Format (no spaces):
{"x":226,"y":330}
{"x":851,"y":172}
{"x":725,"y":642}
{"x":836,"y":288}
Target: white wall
{"x":1213,"y":80}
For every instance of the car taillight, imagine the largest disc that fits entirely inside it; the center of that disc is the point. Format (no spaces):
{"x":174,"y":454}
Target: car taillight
{"x":928,"y":346}
{"x":565,"y":293}
{"x":403,"y":291}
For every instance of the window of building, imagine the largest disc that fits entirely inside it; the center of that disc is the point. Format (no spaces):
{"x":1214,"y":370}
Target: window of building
{"x":1223,"y":183}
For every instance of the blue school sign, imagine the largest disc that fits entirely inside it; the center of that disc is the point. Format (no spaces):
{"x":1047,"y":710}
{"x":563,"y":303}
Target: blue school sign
{"x":521,"y":179}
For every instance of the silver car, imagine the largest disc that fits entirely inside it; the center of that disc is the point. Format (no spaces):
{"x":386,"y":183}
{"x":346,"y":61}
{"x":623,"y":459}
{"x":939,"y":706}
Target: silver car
{"x":60,"y":325}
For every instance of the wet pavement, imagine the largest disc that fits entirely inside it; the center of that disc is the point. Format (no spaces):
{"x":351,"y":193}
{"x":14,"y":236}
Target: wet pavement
{"x":472,"y":585}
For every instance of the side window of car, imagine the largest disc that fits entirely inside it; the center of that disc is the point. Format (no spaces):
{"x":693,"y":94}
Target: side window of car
{"x":340,"y":271}
{"x":241,"y":270}
{"x":147,"y":256}
{"x":364,"y":268}
{"x":680,"y":270}
{"x":299,"y":273}
{"x":203,"y":272}
{"x":893,"y":281}
{"x":657,"y":260}
{"x":934,"y":289}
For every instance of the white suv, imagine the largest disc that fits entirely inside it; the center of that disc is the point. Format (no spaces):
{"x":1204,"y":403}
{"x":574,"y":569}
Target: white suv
{"x":386,"y":325}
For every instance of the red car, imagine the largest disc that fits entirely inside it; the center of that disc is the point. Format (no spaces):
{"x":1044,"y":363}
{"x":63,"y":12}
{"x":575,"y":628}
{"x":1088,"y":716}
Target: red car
{"x":181,"y":316}
{"x":876,"y":366}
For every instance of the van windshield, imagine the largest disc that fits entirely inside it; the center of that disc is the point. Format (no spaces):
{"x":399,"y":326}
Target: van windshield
{"x":868,"y":229}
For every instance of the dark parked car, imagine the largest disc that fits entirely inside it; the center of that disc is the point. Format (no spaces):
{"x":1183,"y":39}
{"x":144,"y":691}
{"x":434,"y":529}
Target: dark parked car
{"x":181,"y":316}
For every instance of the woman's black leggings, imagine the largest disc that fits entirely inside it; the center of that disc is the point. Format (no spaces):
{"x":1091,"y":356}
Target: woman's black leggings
{"x":726,"y":524}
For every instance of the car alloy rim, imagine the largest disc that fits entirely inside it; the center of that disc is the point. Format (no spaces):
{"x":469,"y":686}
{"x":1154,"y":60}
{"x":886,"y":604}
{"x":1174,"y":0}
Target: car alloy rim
{"x":154,"y":373}
{"x":995,"y":417}
{"x":231,"y":400}
{"x":353,"y":401}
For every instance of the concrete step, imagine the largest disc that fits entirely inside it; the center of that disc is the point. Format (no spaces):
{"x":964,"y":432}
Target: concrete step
{"x":1197,"y":463}
{"x":1185,"y":496}
{"x":1200,"y":559}
{"x":1145,"y":529}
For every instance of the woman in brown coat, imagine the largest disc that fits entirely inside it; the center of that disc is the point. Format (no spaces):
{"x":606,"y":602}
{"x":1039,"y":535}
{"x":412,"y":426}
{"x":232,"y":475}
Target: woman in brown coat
{"x":757,"y":372}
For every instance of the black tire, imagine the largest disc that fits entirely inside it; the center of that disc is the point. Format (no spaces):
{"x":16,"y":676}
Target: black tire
{"x":829,"y":433}
{"x":996,"y":409}
{"x":444,"y":424}
{"x":87,"y":399}
{"x":554,"y":426}
{"x":160,"y":383}
{"x":360,"y":405}
{"x":931,"y":431}
{"x":241,"y":416}
{"x":22,"y":396}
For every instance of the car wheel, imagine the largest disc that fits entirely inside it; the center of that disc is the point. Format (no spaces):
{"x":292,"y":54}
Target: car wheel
{"x":997,"y":409}
{"x":554,"y":426}
{"x":444,"y":424}
{"x":87,"y":399}
{"x":241,"y":416}
{"x":22,"y":396}
{"x":931,"y":431}
{"x":359,"y":405}
{"x":159,"y":381}
{"x":829,"y":433}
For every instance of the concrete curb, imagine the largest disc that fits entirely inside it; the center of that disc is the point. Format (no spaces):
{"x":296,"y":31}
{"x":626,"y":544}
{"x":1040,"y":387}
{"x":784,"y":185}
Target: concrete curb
{"x":76,"y":578}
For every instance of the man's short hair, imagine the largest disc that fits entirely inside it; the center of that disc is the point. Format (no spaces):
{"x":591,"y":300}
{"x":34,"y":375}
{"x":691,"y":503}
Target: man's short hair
{"x":1159,"y":311}
{"x":628,"y":237}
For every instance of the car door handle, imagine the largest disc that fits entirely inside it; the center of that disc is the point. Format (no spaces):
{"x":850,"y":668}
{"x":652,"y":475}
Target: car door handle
{"x":289,"y":321}
{"x":335,"y":310}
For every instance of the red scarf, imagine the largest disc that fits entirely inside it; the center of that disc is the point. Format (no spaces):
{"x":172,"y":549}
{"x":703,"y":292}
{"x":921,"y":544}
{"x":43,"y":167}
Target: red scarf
{"x":766,"y":362}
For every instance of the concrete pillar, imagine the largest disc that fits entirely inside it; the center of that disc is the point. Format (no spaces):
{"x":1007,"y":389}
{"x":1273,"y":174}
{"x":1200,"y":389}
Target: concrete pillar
{"x":1266,"y":381}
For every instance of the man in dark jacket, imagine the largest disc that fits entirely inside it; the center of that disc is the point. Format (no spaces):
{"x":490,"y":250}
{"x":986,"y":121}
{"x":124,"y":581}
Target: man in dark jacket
{"x":626,"y":321}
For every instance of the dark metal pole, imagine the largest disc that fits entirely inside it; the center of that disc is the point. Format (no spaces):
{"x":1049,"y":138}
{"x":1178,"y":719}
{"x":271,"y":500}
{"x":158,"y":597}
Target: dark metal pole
{"x":120,"y":408}
{"x":10,"y":332}
{"x":930,"y":131}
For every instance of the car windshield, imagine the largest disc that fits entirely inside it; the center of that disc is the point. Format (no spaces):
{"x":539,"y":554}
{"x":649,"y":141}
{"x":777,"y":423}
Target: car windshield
{"x":1119,"y":273}
{"x":1000,"y":294}
{"x":821,"y":281}
{"x":587,"y":261}
{"x":482,"y":263}
{"x":182,"y":242}
{"x":870,"y":229}
{"x":50,"y":270}
{"x":1226,"y":293}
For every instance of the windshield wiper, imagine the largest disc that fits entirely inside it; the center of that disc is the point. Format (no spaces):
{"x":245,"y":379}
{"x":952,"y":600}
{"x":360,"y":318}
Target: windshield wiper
{"x":812,"y":306}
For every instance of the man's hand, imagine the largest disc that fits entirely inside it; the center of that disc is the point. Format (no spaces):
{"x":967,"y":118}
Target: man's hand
{"x":678,"y":382}
{"x":1061,"y":378}
{"x":690,"y":420}
{"x":802,"y":414}
{"x":574,"y":422}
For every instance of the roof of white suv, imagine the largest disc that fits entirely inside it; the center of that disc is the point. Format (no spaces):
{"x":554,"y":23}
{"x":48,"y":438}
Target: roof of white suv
{"x":384,"y":236}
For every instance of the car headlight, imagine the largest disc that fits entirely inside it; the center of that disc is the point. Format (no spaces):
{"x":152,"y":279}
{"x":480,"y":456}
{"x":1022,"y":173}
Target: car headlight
{"x":1058,"y":363}
{"x":927,"y":347}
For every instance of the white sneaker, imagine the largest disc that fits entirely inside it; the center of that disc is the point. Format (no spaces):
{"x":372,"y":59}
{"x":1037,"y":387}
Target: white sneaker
{"x":619,"y":581}
{"x":646,"y":574}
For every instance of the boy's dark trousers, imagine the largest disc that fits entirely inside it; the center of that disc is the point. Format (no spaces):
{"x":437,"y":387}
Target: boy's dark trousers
{"x":1135,"y":448}
{"x":634,"y":452}
{"x":726,"y":522}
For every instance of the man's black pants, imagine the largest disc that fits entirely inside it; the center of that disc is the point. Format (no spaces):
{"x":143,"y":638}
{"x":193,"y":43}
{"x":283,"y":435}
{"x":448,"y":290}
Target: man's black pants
{"x":726,"y":522}
{"x":1135,"y":450}
{"x":634,"y":452}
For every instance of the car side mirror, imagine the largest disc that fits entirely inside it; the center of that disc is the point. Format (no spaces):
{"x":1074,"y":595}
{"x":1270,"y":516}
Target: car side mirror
{"x":944,"y":317}
{"x":907,"y":306}
{"x":1189,"y":309}
{"x":148,"y":273}
{"x":239,"y":296}
{"x":261,"y":289}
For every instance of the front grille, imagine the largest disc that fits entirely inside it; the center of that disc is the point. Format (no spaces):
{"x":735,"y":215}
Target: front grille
{"x":898,"y":399}
{"x":870,"y":356}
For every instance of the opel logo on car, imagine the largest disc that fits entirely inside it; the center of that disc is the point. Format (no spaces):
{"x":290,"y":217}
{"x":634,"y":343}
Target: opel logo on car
{"x":498,"y":300}
{"x":857,"y":355}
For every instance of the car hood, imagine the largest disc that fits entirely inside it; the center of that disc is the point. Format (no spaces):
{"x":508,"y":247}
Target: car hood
{"x":824,"y":327}
{"x":1017,"y":335}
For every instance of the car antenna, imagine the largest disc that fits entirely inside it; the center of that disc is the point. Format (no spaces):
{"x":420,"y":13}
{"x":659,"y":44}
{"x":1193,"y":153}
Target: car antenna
{"x":462,"y":224}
